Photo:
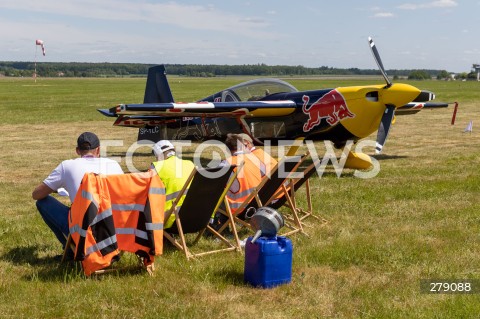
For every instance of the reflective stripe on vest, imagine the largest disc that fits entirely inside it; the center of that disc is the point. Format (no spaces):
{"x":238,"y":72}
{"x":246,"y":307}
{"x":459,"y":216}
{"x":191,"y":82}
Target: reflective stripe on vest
{"x":117,"y":212}
{"x":247,"y":179}
{"x":102,"y":245}
{"x":269,"y":163}
{"x":266,"y":159}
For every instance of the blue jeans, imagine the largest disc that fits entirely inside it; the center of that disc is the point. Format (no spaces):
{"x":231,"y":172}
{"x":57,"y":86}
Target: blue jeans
{"x":55,"y":215}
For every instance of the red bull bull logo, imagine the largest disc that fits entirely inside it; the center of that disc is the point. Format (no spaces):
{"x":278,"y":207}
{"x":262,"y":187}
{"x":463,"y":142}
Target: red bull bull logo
{"x":331,"y":106}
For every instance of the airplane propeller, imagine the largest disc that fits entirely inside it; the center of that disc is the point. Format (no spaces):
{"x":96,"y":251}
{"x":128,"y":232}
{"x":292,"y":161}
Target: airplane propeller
{"x":376,"y":56}
{"x":389,"y":114}
{"x":384,"y":128}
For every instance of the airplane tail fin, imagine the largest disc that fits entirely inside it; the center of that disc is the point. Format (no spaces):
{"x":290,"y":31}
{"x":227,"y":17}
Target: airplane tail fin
{"x":157,"y":90}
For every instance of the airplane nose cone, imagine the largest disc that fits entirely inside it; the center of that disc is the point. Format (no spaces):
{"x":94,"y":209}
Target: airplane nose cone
{"x":399,"y":94}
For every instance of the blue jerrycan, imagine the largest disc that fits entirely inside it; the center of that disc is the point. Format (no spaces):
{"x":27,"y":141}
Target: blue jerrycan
{"x":268,"y":261}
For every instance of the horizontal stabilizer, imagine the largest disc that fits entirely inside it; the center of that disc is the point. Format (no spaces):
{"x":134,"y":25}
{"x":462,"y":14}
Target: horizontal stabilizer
{"x":434,"y":105}
{"x":107,"y":112}
{"x":412,"y":108}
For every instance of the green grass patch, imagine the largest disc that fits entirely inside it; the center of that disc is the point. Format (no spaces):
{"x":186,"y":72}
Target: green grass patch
{"x":417,"y":219}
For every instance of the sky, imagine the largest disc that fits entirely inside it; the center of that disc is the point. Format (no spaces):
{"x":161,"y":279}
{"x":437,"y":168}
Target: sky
{"x":424,"y":34}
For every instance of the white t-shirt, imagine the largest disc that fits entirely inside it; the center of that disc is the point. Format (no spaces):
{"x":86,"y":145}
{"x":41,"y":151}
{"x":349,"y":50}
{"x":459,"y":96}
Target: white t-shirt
{"x":69,"y":174}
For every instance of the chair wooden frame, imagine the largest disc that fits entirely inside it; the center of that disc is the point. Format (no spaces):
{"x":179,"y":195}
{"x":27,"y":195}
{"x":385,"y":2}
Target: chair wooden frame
{"x":269,"y":189}
{"x":182,"y":213}
{"x":291,"y":202}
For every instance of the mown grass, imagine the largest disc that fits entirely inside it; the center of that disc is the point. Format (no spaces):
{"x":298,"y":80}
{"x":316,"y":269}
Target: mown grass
{"x":417,"y":219}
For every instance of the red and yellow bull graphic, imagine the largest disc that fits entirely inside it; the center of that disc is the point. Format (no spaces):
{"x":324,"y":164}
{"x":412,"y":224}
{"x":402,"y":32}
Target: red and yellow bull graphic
{"x":331,"y":106}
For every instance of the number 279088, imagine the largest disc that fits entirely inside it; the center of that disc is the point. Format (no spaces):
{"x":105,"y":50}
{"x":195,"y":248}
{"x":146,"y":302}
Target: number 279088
{"x":436,"y":286}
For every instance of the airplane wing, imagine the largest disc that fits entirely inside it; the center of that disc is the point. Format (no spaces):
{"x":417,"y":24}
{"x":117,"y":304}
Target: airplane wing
{"x":412,"y":108}
{"x":152,"y":114}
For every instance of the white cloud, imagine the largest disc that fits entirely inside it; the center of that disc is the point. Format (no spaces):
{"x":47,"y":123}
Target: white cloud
{"x":432,"y":4}
{"x":70,"y":43}
{"x":383,"y":15}
{"x":408,"y":6}
{"x":444,"y":3}
{"x":472,"y":51}
{"x":173,"y":31}
{"x":196,"y":17}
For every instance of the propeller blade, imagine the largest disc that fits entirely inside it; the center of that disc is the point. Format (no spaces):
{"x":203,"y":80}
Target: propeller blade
{"x":376,"y":56}
{"x":384,"y":128}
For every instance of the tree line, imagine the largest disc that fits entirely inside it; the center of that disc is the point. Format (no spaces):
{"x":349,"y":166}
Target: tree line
{"x":78,"y":69}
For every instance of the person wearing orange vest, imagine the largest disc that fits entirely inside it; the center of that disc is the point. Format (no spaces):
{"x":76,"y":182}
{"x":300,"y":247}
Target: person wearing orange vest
{"x":173,"y":172}
{"x":264,"y":157}
{"x":248,"y":178}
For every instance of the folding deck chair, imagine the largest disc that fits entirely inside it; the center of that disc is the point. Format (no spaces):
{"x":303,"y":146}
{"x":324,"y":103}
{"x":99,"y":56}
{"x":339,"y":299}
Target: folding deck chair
{"x":303,"y":213}
{"x":203,"y":197}
{"x":270,"y":188}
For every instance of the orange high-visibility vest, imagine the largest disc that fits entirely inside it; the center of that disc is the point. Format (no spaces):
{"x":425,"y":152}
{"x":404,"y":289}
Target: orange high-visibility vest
{"x":269,"y":163}
{"x":247,"y":179}
{"x":113,"y":213}
{"x":266,"y":159}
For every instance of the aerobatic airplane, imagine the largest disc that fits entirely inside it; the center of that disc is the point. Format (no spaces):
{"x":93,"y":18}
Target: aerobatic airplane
{"x":271,"y":109}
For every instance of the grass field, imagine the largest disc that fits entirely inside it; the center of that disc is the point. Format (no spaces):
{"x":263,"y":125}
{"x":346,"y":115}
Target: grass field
{"x":417,"y":219}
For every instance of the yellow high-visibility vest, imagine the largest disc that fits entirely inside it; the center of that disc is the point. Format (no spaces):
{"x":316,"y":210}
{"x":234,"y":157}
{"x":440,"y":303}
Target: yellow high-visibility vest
{"x":173,"y":172}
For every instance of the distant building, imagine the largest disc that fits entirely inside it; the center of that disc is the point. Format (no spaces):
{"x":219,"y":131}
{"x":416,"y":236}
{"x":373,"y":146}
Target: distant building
{"x":476,"y":67}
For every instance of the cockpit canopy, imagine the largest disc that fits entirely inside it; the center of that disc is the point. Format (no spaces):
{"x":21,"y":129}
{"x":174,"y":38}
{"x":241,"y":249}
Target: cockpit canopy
{"x":253,"y":90}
